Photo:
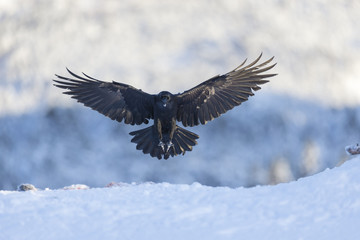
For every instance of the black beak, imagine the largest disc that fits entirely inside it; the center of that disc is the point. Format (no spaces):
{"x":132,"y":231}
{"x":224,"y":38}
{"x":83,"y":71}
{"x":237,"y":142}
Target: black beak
{"x":164,"y":101}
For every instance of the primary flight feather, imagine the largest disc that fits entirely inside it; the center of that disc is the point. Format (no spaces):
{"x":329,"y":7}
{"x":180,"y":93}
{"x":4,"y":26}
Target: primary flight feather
{"x":203,"y":103}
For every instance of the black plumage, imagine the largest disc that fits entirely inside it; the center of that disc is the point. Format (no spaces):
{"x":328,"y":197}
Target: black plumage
{"x":203,"y":103}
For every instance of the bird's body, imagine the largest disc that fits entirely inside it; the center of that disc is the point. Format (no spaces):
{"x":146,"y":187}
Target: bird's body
{"x":165,"y":119}
{"x":196,"y":106}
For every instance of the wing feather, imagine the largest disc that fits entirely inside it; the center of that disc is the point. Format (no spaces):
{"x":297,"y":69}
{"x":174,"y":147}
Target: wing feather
{"x":221,"y":93}
{"x":115,"y":100}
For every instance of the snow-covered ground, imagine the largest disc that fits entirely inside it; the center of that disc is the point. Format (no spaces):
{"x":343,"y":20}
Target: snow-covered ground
{"x":323,"y":206}
{"x":297,"y":125}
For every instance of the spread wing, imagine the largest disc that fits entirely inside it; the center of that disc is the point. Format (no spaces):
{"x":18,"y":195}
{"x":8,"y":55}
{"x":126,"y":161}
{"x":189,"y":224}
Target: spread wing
{"x":115,"y":100}
{"x":219,"y":94}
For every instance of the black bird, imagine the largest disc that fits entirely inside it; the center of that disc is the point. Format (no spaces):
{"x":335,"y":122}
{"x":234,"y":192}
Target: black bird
{"x":196,"y":106}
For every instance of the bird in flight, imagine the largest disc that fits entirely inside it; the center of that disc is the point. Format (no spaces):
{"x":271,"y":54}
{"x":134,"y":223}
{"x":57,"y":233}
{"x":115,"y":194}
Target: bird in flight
{"x":203,"y":103}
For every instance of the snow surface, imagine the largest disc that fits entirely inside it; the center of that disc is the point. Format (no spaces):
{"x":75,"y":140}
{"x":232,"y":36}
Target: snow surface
{"x":323,"y":206}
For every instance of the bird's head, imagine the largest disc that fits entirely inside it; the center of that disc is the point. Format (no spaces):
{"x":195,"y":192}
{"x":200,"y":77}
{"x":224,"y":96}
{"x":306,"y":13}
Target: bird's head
{"x":165,"y":99}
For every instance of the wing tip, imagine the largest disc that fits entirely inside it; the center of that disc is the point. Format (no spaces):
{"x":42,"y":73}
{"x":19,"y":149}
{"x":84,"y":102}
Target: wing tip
{"x":67,"y":69}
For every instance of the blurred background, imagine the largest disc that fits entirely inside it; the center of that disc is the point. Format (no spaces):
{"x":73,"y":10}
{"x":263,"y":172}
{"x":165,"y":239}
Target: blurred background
{"x":297,"y":125}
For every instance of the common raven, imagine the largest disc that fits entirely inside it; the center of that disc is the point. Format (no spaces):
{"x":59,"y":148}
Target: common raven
{"x":198,"y":105}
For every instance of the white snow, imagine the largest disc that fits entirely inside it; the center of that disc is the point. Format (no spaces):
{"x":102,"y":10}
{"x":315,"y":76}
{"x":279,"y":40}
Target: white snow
{"x":323,"y":206}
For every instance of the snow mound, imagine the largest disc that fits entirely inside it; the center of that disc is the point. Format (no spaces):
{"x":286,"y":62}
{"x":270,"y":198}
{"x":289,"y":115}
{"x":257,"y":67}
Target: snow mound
{"x":323,"y":206}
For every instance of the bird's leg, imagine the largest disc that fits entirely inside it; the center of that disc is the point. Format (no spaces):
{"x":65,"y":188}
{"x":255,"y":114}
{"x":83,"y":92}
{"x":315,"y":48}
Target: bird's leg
{"x":158,"y":129}
{"x":173,"y":128}
{"x":169,"y":144}
{"x":166,"y":135}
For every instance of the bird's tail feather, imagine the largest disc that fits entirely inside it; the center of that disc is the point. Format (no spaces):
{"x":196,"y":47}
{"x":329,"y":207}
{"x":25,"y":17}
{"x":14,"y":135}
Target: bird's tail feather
{"x":183,"y":140}
{"x":144,"y":138}
{"x":147,"y":141}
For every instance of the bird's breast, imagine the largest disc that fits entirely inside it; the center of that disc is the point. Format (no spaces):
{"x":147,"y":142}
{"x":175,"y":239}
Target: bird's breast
{"x":166,"y":117}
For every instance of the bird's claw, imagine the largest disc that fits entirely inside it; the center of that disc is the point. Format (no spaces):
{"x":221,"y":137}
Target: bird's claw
{"x":162,"y":145}
{"x":168,"y":146}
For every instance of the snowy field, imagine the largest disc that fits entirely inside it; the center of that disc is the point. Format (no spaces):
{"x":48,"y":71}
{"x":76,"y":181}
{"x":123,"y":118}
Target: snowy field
{"x":297,"y":125}
{"x":323,"y":206}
